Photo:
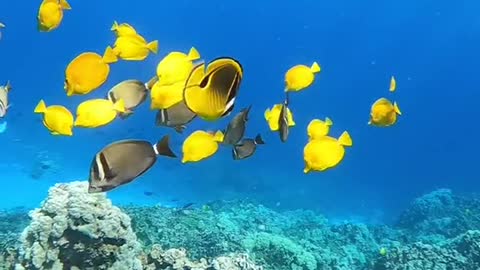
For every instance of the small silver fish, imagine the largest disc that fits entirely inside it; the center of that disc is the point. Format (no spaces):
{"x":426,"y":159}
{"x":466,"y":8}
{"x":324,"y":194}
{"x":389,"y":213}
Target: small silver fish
{"x":246,"y":148}
{"x":123,"y":161}
{"x":177,"y":117}
{"x":4,"y":105}
{"x":236,"y":128}
{"x":132,"y":92}
{"x":283,"y":128}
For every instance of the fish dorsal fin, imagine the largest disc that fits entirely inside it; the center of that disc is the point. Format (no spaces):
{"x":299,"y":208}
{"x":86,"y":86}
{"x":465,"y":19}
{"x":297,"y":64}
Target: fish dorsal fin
{"x":328,"y":121}
{"x":193,"y":54}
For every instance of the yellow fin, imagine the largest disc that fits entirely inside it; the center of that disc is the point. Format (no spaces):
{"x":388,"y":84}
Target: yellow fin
{"x":315,"y":68}
{"x":64,"y":4}
{"x":114,"y":26}
{"x":218,"y":137}
{"x":267,"y":114}
{"x":328,"y":121}
{"x":41,"y":107}
{"x":396,"y":108}
{"x":345,"y":139}
{"x":393,"y":84}
{"x":109,"y":56}
{"x":153,"y":46}
{"x":193,"y":54}
{"x":119,"y":106}
{"x":307,"y":169}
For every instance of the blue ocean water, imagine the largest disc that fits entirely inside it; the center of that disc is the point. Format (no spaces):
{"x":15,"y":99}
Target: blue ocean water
{"x":431,"y":47}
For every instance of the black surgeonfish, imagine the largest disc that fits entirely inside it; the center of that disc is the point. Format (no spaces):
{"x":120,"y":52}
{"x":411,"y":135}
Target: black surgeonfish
{"x":176,"y":116}
{"x":283,"y":128}
{"x":236,"y":127}
{"x":121,"y":162}
{"x":211,"y":93}
{"x":246,"y":148}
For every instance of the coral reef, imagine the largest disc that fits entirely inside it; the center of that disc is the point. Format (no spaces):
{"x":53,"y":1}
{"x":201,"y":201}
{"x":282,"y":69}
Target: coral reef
{"x":440,"y":215}
{"x":76,"y":230}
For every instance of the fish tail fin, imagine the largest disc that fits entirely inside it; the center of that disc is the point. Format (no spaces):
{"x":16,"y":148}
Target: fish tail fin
{"x":151,"y":82}
{"x":153,"y":46}
{"x":259,"y":140}
{"x":119,"y":106}
{"x":315,"y":68}
{"x":41,"y":107}
{"x":193,"y":54}
{"x":114,"y":26}
{"x":219,"y":136}
{"x":109,"y":56}
{"x":328,"y":121}
{"x":396,"y":108}
{"x":345,"y":139}
{"x":64,"y":4}
{"x":162,"y":147}
{"x":8,"y":87}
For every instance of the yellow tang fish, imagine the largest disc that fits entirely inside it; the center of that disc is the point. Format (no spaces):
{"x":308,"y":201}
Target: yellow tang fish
{"x":325,"y":152}
{"x":87,"y":72}
{"x":272,"y":117}
{"x":123,"y":29}
{"x":383,"y":113}
{"x":165,"y":96}
{"x":200,"y":145}
{"x":133,"y":48}
{"x":211,"y":93}
{"x":300,"y":77}
{"x":98,"y":112}
{"x":50,"y":14}
{"x":176,"y":66}
{"x":57,"y":119}
{"x":393,"y":84}
{"x":318,"y":128}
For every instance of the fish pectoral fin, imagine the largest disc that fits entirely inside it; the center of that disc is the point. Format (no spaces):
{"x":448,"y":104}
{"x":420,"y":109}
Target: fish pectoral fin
{"x":180,"y":129}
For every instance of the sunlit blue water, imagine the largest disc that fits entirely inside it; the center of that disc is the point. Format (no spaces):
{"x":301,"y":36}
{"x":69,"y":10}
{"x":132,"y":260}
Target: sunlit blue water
{"x":431,"y":47}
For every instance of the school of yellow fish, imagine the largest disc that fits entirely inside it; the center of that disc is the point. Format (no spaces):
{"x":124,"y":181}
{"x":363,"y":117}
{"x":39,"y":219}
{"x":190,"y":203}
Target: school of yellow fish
{"x":184,"y":87}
